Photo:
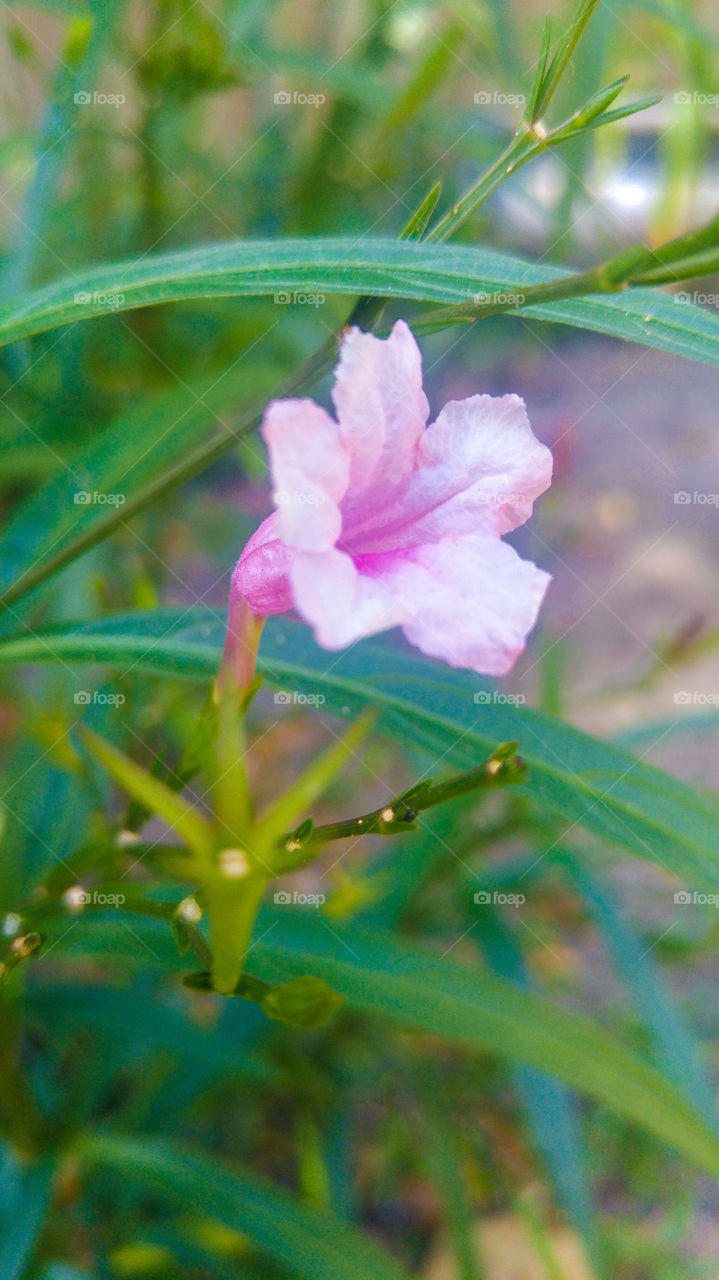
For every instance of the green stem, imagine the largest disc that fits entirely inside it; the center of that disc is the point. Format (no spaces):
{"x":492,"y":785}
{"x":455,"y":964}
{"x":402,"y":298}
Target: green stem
{"x":232,"y":907}
{"x":693,"y":255}
{"x":135,"y":900}
{"x":523,"y":147}
{"x":515,"y":299}
{"x":232,"y":801}
{"x":502,"y":768}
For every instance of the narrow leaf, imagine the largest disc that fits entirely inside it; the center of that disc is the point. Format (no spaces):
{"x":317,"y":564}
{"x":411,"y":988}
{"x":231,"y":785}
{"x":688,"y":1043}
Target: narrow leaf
{"x":292,"y":806}
{"x":586,"y":781}
{"x":187,"y":821}
{"x":314,"y":1245}
{"x":418,"y":990}
{"x":426,"y":271}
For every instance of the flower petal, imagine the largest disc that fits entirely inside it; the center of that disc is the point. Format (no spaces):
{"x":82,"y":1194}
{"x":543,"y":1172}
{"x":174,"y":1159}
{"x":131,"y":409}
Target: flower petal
{"x":342,"y":604}
{"x":469,"y":601}
{"x":474,"y":601}
{"x":261,"y":574}
{"x":310,"y":471}
{"x":382,"y":411}
{"x":479,"y":469}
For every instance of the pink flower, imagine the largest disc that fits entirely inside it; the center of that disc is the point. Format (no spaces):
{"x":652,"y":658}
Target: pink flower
{"x":382,"y":521}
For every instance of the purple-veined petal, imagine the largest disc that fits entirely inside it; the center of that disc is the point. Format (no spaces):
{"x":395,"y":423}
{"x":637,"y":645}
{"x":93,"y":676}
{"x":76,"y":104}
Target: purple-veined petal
{"x":382,"y":411}
{"x":479,"y":469}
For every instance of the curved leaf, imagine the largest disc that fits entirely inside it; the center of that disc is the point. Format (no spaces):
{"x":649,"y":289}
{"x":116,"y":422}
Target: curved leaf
{"x":424,"y":271}
{"x":586,"y":781}
{"x":551,"y":1108}
{"x":316,"y":1245}
{"x":424,"y":991}
{"x":24,"y":1202}
{"x":675,"y":1047}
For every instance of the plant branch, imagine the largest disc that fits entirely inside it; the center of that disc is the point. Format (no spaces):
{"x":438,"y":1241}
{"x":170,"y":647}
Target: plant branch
{"x":685,"y":258}
{"x":502,"y":768}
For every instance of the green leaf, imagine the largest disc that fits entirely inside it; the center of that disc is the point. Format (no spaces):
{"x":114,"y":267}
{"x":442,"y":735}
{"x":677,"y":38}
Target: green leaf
{"x":315,"y":1245}
{"x":61,"y":1271}
{"x":168,"y":642}
{"x":674,"y":1043}
{"x":191,"y":827}
{"x":419,"y":221}
{"x":615,"y":796}
{"x":423,"y":271}
{"x":610,"y":117}
{"x":530,"y":114}
{"x":417,"y":989}
{"x":586,"y":781}
{"x":68,"y":8}
{"x":566,"y":48}
{"x":290,"y":807}
{"x":442,"y":1159}
{"x":24,"y":1201}
{"x":133,"y":1021}
{"x":63,"y":515}
{"x":551,"y":1108}
{"x":422,"y":991}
